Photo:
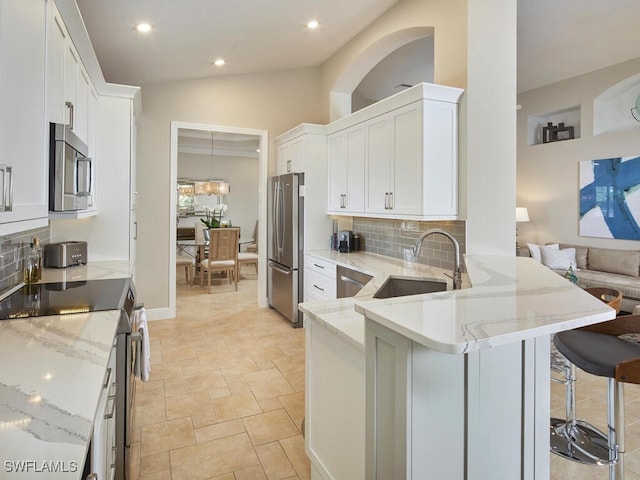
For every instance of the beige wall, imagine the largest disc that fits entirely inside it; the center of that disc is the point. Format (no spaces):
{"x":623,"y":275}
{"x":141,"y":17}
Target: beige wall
{"x":447,"y":19}
{"x":242,"y":175}
{"x":547,"y":177}
{"x":273,"y":102}
{"x":282,"y":100}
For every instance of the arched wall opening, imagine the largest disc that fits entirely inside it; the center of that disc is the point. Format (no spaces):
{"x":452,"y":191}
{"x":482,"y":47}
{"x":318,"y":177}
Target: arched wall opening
{"x":349,"y":79}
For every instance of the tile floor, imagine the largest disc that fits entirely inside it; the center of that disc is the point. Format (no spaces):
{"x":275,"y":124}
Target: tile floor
{"x":225,"y":398}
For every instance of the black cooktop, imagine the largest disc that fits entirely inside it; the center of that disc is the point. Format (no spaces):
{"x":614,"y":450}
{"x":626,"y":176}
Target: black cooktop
{"x":61,"y":298}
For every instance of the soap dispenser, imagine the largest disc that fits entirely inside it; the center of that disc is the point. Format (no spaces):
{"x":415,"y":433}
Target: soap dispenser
{"x":33,"y":262}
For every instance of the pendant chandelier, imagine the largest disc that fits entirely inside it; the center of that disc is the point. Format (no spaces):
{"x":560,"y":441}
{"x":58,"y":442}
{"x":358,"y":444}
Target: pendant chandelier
{"x":212,"y":186}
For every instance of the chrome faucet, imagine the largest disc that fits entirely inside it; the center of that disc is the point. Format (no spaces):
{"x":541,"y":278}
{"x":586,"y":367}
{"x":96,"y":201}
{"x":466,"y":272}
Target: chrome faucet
{"x":456,"y":277}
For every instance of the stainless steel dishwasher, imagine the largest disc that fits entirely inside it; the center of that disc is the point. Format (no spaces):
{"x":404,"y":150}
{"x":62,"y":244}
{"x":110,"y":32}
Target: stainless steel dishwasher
{"x":349,"y":282}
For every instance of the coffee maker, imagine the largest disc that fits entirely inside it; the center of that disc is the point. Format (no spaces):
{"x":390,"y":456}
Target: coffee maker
{"x":345,"y":241}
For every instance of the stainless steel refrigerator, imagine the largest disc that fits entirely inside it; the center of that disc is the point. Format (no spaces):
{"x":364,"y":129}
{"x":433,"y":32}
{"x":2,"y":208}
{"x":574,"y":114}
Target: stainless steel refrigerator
{"x":286,"y":244}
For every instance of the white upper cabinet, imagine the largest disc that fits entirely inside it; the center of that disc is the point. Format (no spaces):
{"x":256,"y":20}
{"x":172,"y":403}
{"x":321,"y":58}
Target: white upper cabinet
{"x":346,"y":171}
{"x":397,"y":158}
{"x":23,"y":149}
{"x":303,"y":149}
{"x":71,"y":97}
{"x":295,"y":148}
{"x":69,"y":87}
{"x":292,"y":156}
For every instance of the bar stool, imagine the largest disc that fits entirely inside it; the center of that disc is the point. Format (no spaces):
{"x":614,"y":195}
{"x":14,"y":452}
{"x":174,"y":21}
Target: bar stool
{"x":598,"y":350}
{"x":561,"y":435}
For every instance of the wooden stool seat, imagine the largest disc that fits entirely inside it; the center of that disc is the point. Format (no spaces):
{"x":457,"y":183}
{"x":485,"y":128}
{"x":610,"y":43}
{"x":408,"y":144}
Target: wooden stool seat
{"x":610,"y":296}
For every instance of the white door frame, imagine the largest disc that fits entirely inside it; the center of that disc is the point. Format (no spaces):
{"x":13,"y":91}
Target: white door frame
{"x":262,"y":203}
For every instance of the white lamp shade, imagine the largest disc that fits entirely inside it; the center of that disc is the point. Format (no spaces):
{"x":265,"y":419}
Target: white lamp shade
{"x":522,"y":214}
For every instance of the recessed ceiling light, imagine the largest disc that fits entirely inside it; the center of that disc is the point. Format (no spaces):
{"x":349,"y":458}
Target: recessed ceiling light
{"x":219,"y":62}
{"x":313,"y":24}
{"x":143,"y":27}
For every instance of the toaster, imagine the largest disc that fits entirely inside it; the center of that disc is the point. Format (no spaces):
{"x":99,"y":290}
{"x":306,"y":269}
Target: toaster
{"x":65,"y":254}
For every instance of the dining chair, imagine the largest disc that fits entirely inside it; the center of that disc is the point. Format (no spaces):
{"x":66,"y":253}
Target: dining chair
{"x":253,"y":247}
{"x":187,"y":262}
{"x":222,"y":256}
{"x":250,"y":256}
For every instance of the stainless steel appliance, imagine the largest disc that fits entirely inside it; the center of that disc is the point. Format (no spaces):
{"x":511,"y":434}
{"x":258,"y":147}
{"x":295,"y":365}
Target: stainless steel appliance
{"x":36,"y":300}
{"x":65,"y":254}
{"x":349,"y":282}
{"x":285,"y":245}
{"x":70,"y":175}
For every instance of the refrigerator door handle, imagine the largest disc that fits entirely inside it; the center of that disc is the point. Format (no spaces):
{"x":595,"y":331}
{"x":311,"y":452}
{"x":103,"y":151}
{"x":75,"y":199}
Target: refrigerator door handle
{"x":282,"y":214}
{"x":281,"y":270}
{"x":276,"y":218}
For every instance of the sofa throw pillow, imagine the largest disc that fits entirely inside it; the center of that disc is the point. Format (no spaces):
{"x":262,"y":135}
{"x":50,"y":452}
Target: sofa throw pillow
{"x":534,"y":250}
{"x":624,"y":262}
{"x":557,"y":259}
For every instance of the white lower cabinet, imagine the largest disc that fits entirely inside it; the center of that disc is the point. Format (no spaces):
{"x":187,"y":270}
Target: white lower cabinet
{"x":103,"y":442}
{"x":335,"y":405}
{"x":319,"y":279}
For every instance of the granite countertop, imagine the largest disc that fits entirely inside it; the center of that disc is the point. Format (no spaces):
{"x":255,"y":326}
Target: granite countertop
{"x":340,"y":315}
{"x":506,"y":299}
{"x":90,"y":271}
{"x":51,"y":379}
{"x":50,"y":384}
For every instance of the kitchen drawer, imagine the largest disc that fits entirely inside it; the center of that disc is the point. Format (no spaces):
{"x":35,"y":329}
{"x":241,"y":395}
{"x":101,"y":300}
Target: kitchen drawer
{"x":318,"y":286}
{"x":320,"y":265}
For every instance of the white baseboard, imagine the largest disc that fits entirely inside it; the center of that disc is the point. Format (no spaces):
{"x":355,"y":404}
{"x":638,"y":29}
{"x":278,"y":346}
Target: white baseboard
{"x":160,"y":314}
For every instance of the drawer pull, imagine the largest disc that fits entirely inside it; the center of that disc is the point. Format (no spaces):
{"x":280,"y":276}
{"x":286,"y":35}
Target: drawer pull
{"x":109,"y":415}
{"x":319,"y":266}
{"x":107,"y":377}
{"x":321,"y":289}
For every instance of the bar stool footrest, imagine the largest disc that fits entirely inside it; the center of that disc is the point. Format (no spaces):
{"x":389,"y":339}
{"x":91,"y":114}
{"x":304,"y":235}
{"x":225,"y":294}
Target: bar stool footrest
{"x":581,"y":442}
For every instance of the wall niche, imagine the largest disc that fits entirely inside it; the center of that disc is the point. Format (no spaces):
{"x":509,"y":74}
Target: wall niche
{"x":564,"y":119}
{"x":612,"y":108}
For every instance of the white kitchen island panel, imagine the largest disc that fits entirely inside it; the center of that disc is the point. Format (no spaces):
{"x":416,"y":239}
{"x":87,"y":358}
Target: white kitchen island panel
{"x":457,"y":382}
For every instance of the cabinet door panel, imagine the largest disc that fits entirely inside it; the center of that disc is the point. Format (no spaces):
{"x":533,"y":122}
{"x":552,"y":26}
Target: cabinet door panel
{"x":337,"y":171}
{"x":379,"y":163}
{"x":284,"y":158}
{"x":298,"y":154}
{"x":407,"y":158}
{"x":22,"y":106}
{"x":440,"y":163}
{"x":82,"y":106}
{"x":57,"y":38}
{"x":70,"y":80}
{"x":355,"y":170}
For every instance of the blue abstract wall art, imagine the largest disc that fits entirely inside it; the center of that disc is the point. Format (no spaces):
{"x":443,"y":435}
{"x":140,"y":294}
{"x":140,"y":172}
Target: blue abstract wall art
{"x":610,"y":198}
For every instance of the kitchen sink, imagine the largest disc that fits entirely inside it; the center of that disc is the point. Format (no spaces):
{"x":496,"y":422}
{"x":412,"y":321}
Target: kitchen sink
{"x":402,"y":286}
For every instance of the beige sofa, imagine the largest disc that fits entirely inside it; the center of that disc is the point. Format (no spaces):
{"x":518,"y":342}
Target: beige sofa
{"x":606,"y":267}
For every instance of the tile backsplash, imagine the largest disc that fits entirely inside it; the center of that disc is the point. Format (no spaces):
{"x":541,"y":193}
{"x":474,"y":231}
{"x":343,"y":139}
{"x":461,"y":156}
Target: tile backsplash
{"x":13,"y":249}
{"x":392,"y":237}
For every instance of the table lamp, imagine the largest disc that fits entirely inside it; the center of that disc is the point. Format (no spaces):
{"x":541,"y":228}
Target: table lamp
{"x":522,"y":215}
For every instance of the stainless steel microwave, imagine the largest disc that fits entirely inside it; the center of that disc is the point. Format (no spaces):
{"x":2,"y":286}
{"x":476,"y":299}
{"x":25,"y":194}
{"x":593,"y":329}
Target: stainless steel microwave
{"x":70,"y":175}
